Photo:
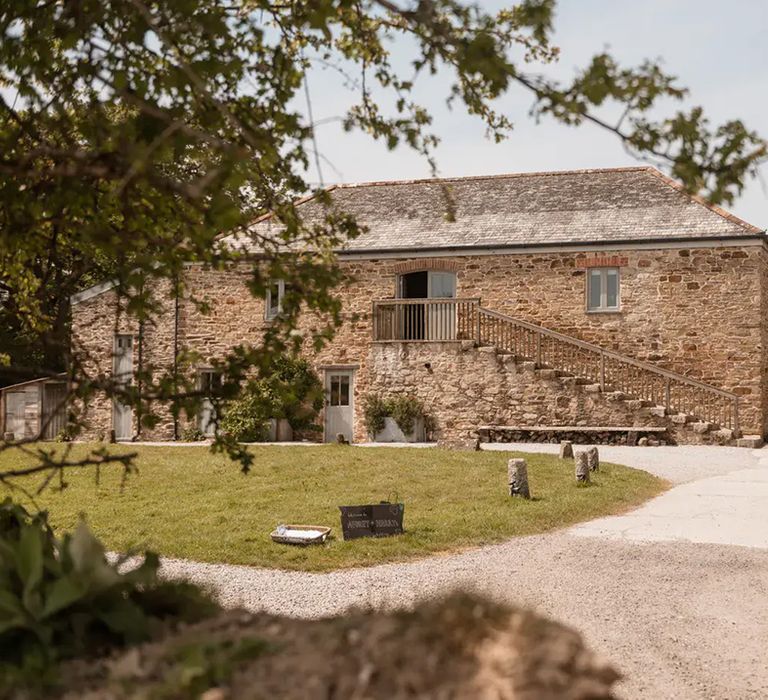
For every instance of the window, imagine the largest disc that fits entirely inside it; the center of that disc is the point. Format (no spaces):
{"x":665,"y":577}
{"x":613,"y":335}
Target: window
{"x":603,"y":289}
{"x":210,"y":381}
{"x":339,"y":390}
{"x":274,"y":300}
{"x":123,"y":358}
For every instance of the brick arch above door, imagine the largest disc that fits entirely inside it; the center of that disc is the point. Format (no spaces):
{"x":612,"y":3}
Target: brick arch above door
{"x":420,"y":264}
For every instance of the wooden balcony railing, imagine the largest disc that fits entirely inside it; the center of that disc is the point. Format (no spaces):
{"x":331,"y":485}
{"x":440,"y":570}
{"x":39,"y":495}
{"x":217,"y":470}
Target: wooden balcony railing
{"x":425,"y":320}
{"x":429,"y":320}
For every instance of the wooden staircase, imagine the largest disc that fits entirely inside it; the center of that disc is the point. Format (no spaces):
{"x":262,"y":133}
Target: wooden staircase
{"x":618,"y":376}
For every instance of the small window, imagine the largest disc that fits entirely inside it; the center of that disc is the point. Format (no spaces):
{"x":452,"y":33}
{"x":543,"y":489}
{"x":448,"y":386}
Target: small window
{"x":274,"y":300}
{"x":210,"y":381}
{"x":123,"y":357}
{"x":339,"y":390}
{"x":603,"y":289}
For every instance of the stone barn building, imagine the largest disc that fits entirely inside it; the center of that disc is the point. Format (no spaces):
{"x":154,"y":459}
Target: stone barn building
{"x":571,"y":300}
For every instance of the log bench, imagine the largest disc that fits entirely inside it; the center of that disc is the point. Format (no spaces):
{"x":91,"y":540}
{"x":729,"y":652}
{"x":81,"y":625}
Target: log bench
{"x":578,"y":434}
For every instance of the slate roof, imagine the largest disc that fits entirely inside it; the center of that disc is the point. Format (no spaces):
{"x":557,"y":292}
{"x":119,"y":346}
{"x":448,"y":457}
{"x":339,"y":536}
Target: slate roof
{"x":526,"y":209}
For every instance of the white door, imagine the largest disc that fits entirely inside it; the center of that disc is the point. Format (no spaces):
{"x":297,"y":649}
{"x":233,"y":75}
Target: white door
{"x":209,"y":381}
{"x":441,"y":319}
{"x":122,"y":415}
{"x":339,"y":404}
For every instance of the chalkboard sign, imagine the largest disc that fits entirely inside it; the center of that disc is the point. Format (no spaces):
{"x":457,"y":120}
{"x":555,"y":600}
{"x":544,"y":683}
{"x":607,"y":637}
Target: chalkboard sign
{"x":379,"y":520}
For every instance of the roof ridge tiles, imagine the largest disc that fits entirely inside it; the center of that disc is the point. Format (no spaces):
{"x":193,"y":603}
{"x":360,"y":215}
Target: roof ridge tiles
{"x":497,"y":176}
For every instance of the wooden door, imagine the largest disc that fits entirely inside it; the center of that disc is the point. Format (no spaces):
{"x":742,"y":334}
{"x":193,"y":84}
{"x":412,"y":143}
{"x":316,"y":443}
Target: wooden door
{"x":21,"y":411}
{"x":54,"y":409}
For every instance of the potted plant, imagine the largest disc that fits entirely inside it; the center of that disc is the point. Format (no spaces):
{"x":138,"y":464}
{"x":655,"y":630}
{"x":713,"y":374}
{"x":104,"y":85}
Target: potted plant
{"x":401,"y":418}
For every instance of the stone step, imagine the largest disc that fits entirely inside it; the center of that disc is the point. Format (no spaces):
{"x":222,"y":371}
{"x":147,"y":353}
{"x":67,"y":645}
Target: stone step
{"x":636,"y":404}
{"x":723,"y":435}
{"x":546,"y":373}
{"x":642,"y":407}
{"x":681,"y":418}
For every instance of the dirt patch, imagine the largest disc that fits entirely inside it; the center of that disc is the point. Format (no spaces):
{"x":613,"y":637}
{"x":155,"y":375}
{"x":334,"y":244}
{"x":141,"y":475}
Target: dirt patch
{"x":458,"y":647}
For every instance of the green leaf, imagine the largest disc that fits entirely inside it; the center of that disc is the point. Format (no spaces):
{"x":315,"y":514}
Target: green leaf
{"x":10,"y":605}
{"x":29,"y":557}
{"x":89,"y":561}
{"x":61,"y":594}
{"x":125,"y":618}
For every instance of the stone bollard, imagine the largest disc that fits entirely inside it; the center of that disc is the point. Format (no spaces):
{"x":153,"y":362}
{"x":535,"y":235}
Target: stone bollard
{"x":566,"y":449}
{"x":593,"y":459}
{"x":582,"y":467}
{"x":517,"y":473}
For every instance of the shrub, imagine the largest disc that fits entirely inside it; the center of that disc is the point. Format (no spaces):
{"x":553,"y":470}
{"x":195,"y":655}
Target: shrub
{"x":246,"y":419}
{"x":192,"y":434}
{"x":61,"y":598}
{"x":297,"y":392}
{"x":403,"y":409}
{"x":374,"y":413}
{"x":67,"y":434}
{"x":292,"y":391}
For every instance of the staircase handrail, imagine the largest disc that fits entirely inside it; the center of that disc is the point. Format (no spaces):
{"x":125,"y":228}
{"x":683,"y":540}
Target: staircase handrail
{"x":608,"y":353}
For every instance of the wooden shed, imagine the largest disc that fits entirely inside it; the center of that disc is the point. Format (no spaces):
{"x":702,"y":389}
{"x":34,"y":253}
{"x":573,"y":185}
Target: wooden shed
{"x":34,"y":409}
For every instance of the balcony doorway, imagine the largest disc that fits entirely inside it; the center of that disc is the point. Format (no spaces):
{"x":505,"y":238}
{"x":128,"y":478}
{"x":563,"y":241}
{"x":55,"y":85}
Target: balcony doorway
{"x":428,"y":321}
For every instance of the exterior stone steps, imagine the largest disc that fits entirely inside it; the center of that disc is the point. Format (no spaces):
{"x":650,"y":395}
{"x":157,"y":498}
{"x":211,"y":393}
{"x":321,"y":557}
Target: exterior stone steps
{"x":680,"y":427}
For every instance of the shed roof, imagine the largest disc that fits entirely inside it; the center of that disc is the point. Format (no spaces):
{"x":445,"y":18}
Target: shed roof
{"x":524,"y":209}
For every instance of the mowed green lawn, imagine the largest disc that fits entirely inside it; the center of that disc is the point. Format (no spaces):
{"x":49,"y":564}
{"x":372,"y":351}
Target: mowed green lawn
{"x":186,"y":502}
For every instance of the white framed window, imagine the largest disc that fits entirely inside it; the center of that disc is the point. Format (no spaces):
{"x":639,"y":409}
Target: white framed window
{"x":274,"y":300}
{"x":339,"y":386}
{"x":603,"y":289}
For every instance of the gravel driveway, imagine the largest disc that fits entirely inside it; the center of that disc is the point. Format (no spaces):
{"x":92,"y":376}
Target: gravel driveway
{"x":680,"y":619}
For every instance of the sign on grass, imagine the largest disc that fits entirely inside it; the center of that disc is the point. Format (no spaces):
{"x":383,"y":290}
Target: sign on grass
{"x":379,"y":520}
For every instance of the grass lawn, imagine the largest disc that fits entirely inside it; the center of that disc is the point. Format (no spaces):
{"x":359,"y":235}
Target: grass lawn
{"x":187,"y":503}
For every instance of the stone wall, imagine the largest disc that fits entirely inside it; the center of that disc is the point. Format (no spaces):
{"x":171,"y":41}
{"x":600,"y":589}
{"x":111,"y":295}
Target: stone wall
{"x":464,"y":387}
{"x":95,"y":323}
{"x":696,"y":311}
{"x":762,"y":351}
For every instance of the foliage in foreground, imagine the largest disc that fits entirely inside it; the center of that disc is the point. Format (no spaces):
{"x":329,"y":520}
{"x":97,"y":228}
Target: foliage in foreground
{"x":362,"y":654}
{"x":61,"y":598}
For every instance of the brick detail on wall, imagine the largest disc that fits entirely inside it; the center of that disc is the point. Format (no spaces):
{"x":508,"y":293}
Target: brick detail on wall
{"x":602,"y":261}
{"x":437,"y":264}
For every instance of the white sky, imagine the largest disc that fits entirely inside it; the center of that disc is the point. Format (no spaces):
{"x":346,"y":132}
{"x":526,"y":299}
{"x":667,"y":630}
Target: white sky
{"x":717,"y":49}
